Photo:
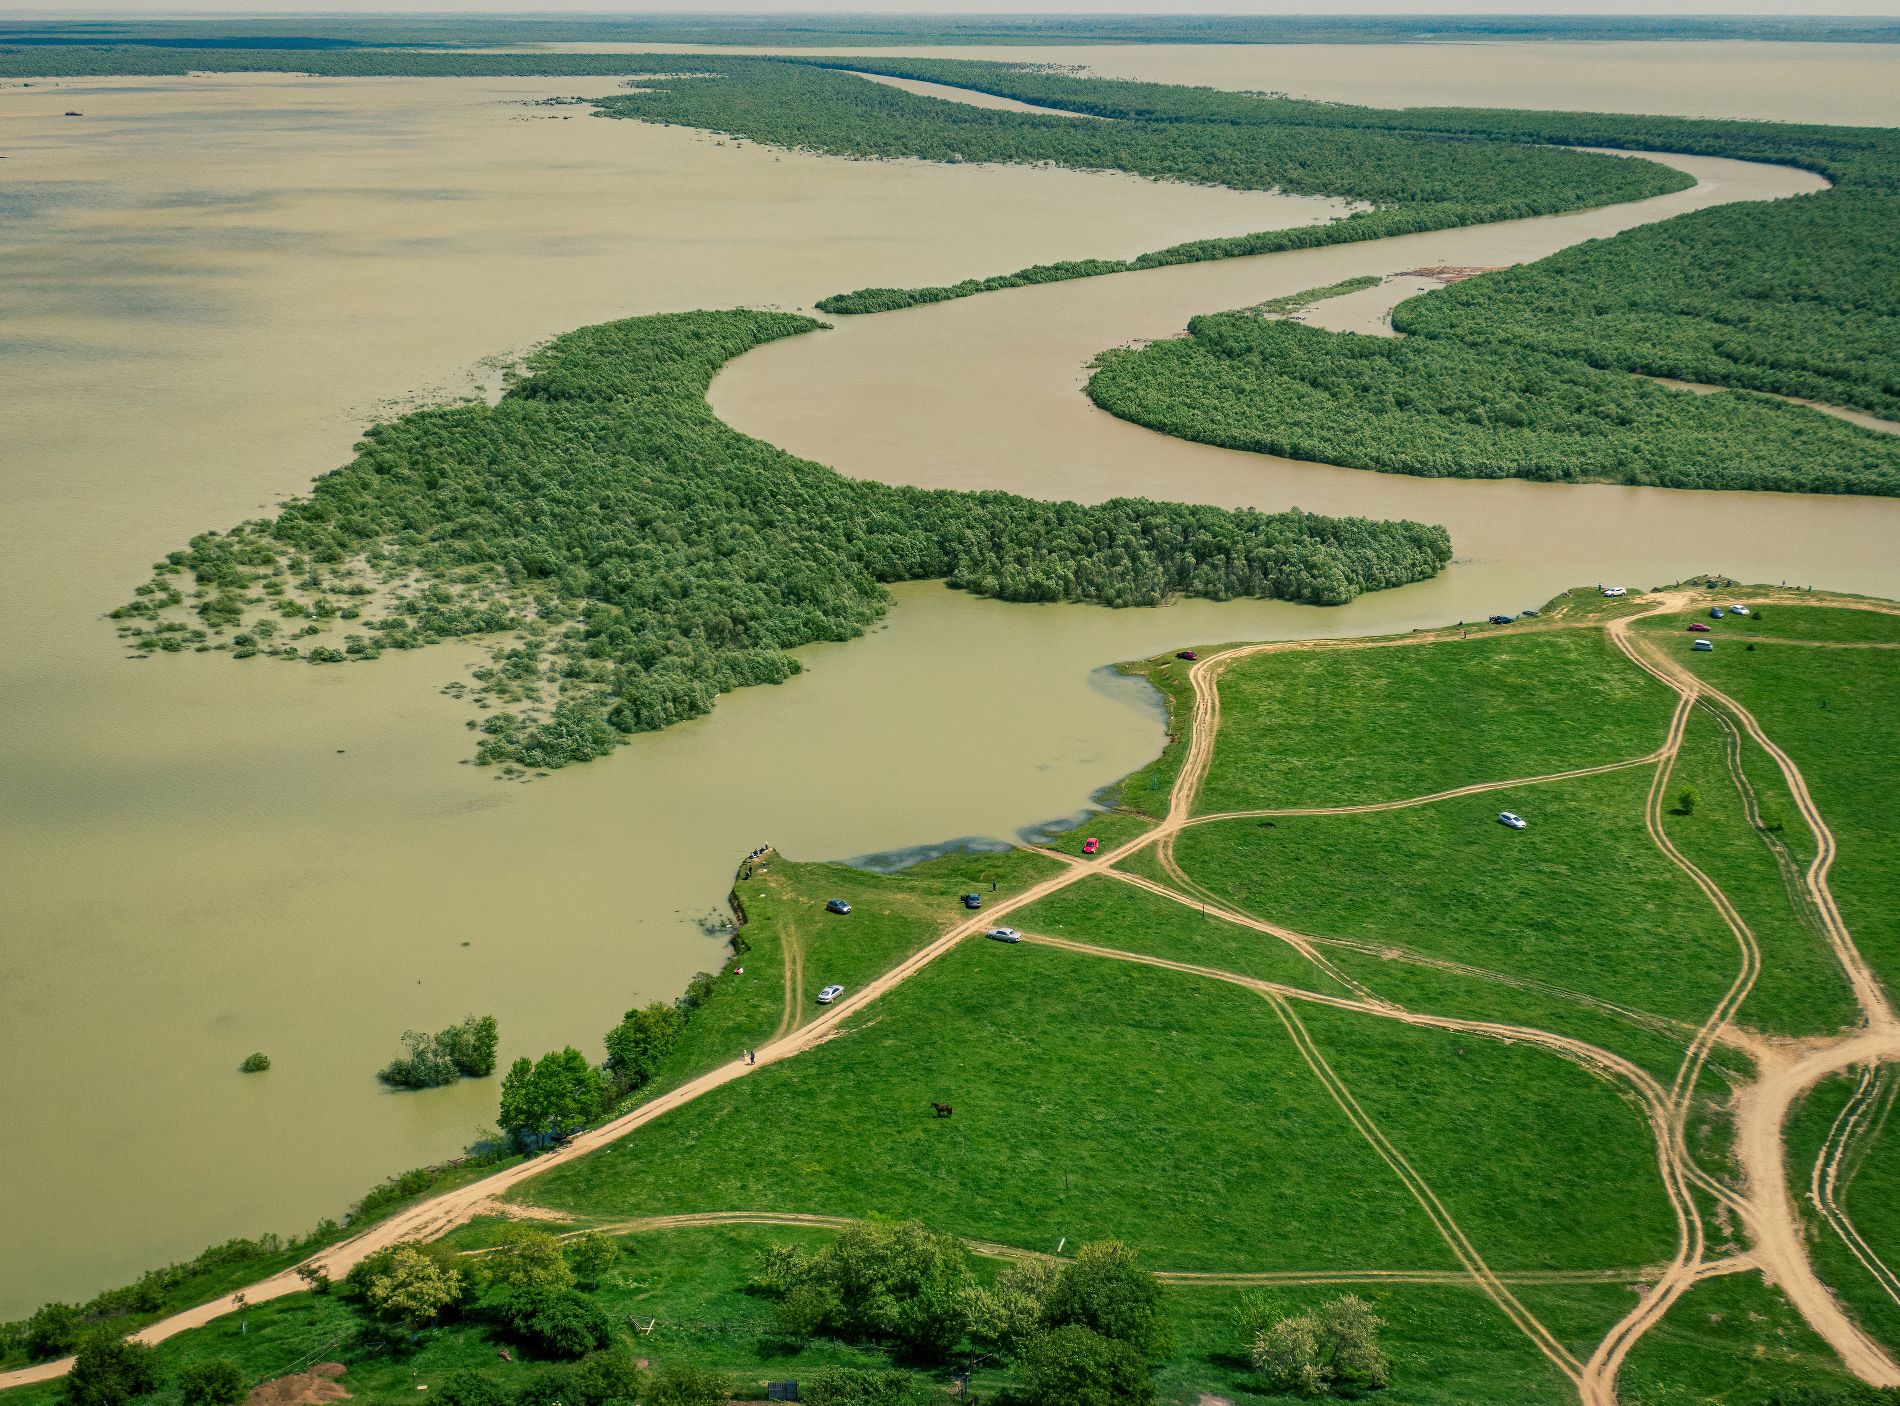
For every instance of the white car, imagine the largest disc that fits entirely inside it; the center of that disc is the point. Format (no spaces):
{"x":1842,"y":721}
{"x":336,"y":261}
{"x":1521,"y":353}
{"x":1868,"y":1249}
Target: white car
{"x":1004,"y":934}
{"x":1512,"y":819}
{"x":1738,"y":610}
{"x":1616,"y":590}
{"x":830,"y":994}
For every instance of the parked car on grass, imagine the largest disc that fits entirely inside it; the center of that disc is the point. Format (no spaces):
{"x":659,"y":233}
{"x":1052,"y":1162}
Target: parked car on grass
{"x":973,"y":901}
{"x":830,"y":994}
{"x":1004,"y":934}
{"x":1512,"y":819}
{"x":1738,"y":610}
{"x":1502,"y":619}
{"x":1706,"y":646}
{"x":1699,"y":628}
{"x":1187,"y":654}
{"x":1716,"y":612}
{"x":1090,"y":845}
{"x":837,"y":905}
{"x":1614,"y":591}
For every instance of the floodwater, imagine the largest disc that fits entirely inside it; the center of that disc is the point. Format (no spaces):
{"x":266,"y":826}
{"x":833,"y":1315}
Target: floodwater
{"x":206,"y":287}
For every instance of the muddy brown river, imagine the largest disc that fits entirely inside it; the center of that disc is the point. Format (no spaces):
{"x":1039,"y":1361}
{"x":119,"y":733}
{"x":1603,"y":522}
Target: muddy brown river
{"x":208,"y":285}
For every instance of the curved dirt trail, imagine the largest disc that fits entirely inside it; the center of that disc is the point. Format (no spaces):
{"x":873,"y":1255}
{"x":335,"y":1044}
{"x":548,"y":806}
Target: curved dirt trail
{"x":1604,"y":1064}
{"x":1476,"y":788}
{"x":1861,"y":1118}
{"x":1762,"y":1107}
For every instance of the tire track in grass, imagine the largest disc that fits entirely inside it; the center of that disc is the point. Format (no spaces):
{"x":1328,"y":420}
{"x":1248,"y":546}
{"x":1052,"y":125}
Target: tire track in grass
{"x":1861,"y":1118}
{"x":1761,"y":1107}
{"x":1604,"y":1064}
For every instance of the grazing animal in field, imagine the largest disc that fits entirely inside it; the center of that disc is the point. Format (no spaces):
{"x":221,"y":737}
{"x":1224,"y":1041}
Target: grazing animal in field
{"x":942,"y":1110}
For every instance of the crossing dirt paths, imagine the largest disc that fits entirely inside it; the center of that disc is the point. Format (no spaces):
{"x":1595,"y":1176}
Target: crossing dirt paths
{"x":1761,"y":1106}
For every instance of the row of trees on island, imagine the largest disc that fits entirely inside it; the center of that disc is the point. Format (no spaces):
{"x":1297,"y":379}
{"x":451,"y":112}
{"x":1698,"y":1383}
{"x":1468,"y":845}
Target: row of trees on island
{"x":644,"y":557}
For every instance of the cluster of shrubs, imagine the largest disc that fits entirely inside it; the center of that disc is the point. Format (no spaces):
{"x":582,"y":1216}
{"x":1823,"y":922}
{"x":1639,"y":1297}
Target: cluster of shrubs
{"x":545,"y":1100}
{"x":1082,"y":1331}
{"x":110,"y":1371}
{"x":463,"y":1051}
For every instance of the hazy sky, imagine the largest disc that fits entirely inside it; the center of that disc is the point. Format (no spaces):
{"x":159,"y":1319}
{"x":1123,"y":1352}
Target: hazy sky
{"x":44,"y":8}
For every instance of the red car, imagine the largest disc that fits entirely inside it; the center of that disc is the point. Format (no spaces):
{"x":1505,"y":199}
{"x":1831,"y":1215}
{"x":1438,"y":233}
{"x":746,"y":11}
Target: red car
{"x":1698,"y":628}
{"x":1090,"y":845}
{"x":1186,"y":654}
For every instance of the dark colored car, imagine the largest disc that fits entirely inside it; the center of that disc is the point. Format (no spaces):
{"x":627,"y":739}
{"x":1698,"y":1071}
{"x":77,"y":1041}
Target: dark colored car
{"x":837,"y":905}
{"x":1186,"y":654}
{"x":972,"y":901}
{"x":1502,"y":619}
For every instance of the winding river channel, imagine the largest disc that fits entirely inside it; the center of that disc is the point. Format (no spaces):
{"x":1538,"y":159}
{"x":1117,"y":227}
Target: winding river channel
{"x":208,"y":285}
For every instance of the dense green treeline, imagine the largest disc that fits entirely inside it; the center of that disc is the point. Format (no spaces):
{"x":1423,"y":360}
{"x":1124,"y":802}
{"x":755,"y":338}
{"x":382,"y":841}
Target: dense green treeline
{"x":1799,"y":298}
{"x":1438,"y":407}
{"x":643,"y":557}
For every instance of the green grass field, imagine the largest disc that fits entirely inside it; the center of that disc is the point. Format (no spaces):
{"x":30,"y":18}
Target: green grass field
{"x":1823,"y":624}
{"x":1832,"y":710}
{"x":892,"y":916}
{"x":1801,"y":990}
{"x":1581,"y":898}
{"x":1344,"y":727}
{"x":1104,"y":913}
{"x":1084,"y":1110}
{"x":1868,"y":1191}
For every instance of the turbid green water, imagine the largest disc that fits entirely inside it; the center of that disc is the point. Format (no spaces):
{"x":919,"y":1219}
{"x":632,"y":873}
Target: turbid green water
{"x":206,"y":288}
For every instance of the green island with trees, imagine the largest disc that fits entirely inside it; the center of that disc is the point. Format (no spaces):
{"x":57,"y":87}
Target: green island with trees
{"x":639,"y":557}
{"x":1315,"y":1081}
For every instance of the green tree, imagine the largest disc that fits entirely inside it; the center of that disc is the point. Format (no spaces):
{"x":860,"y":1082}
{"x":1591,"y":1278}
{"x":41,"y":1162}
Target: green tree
{"x":471,"y":1046}
{"x":109,"y":1370}
{"x":528,"y":1260}
{"x":562,"y":1322}
{"x":548,"y":1098}
{"x":1009,"y":1312}
{"x":1104,"y":1290}
{"x":53,"y":1331}
{"x":636,"y":1046}
{"x":255,"y":1063}
{"x":682,"y":1385}
{"x":592,"y":1255}
{"x":1686,"y":800}
{"x":612,"y":1375}
{"x":467,"y":1388}
{"x":1333,"y":1347}
{"x":411,"y":1290}
{"x":215,"y":1381}
{"x":1071,"y":1366}
{"x":898,"y":1284}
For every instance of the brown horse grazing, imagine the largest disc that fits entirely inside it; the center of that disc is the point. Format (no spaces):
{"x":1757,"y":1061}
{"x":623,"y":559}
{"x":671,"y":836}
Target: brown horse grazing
{"x":942,"y":1110}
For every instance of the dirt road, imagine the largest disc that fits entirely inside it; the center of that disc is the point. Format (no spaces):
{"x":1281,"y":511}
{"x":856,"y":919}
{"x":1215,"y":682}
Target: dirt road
{"x":1764,"y":1203}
